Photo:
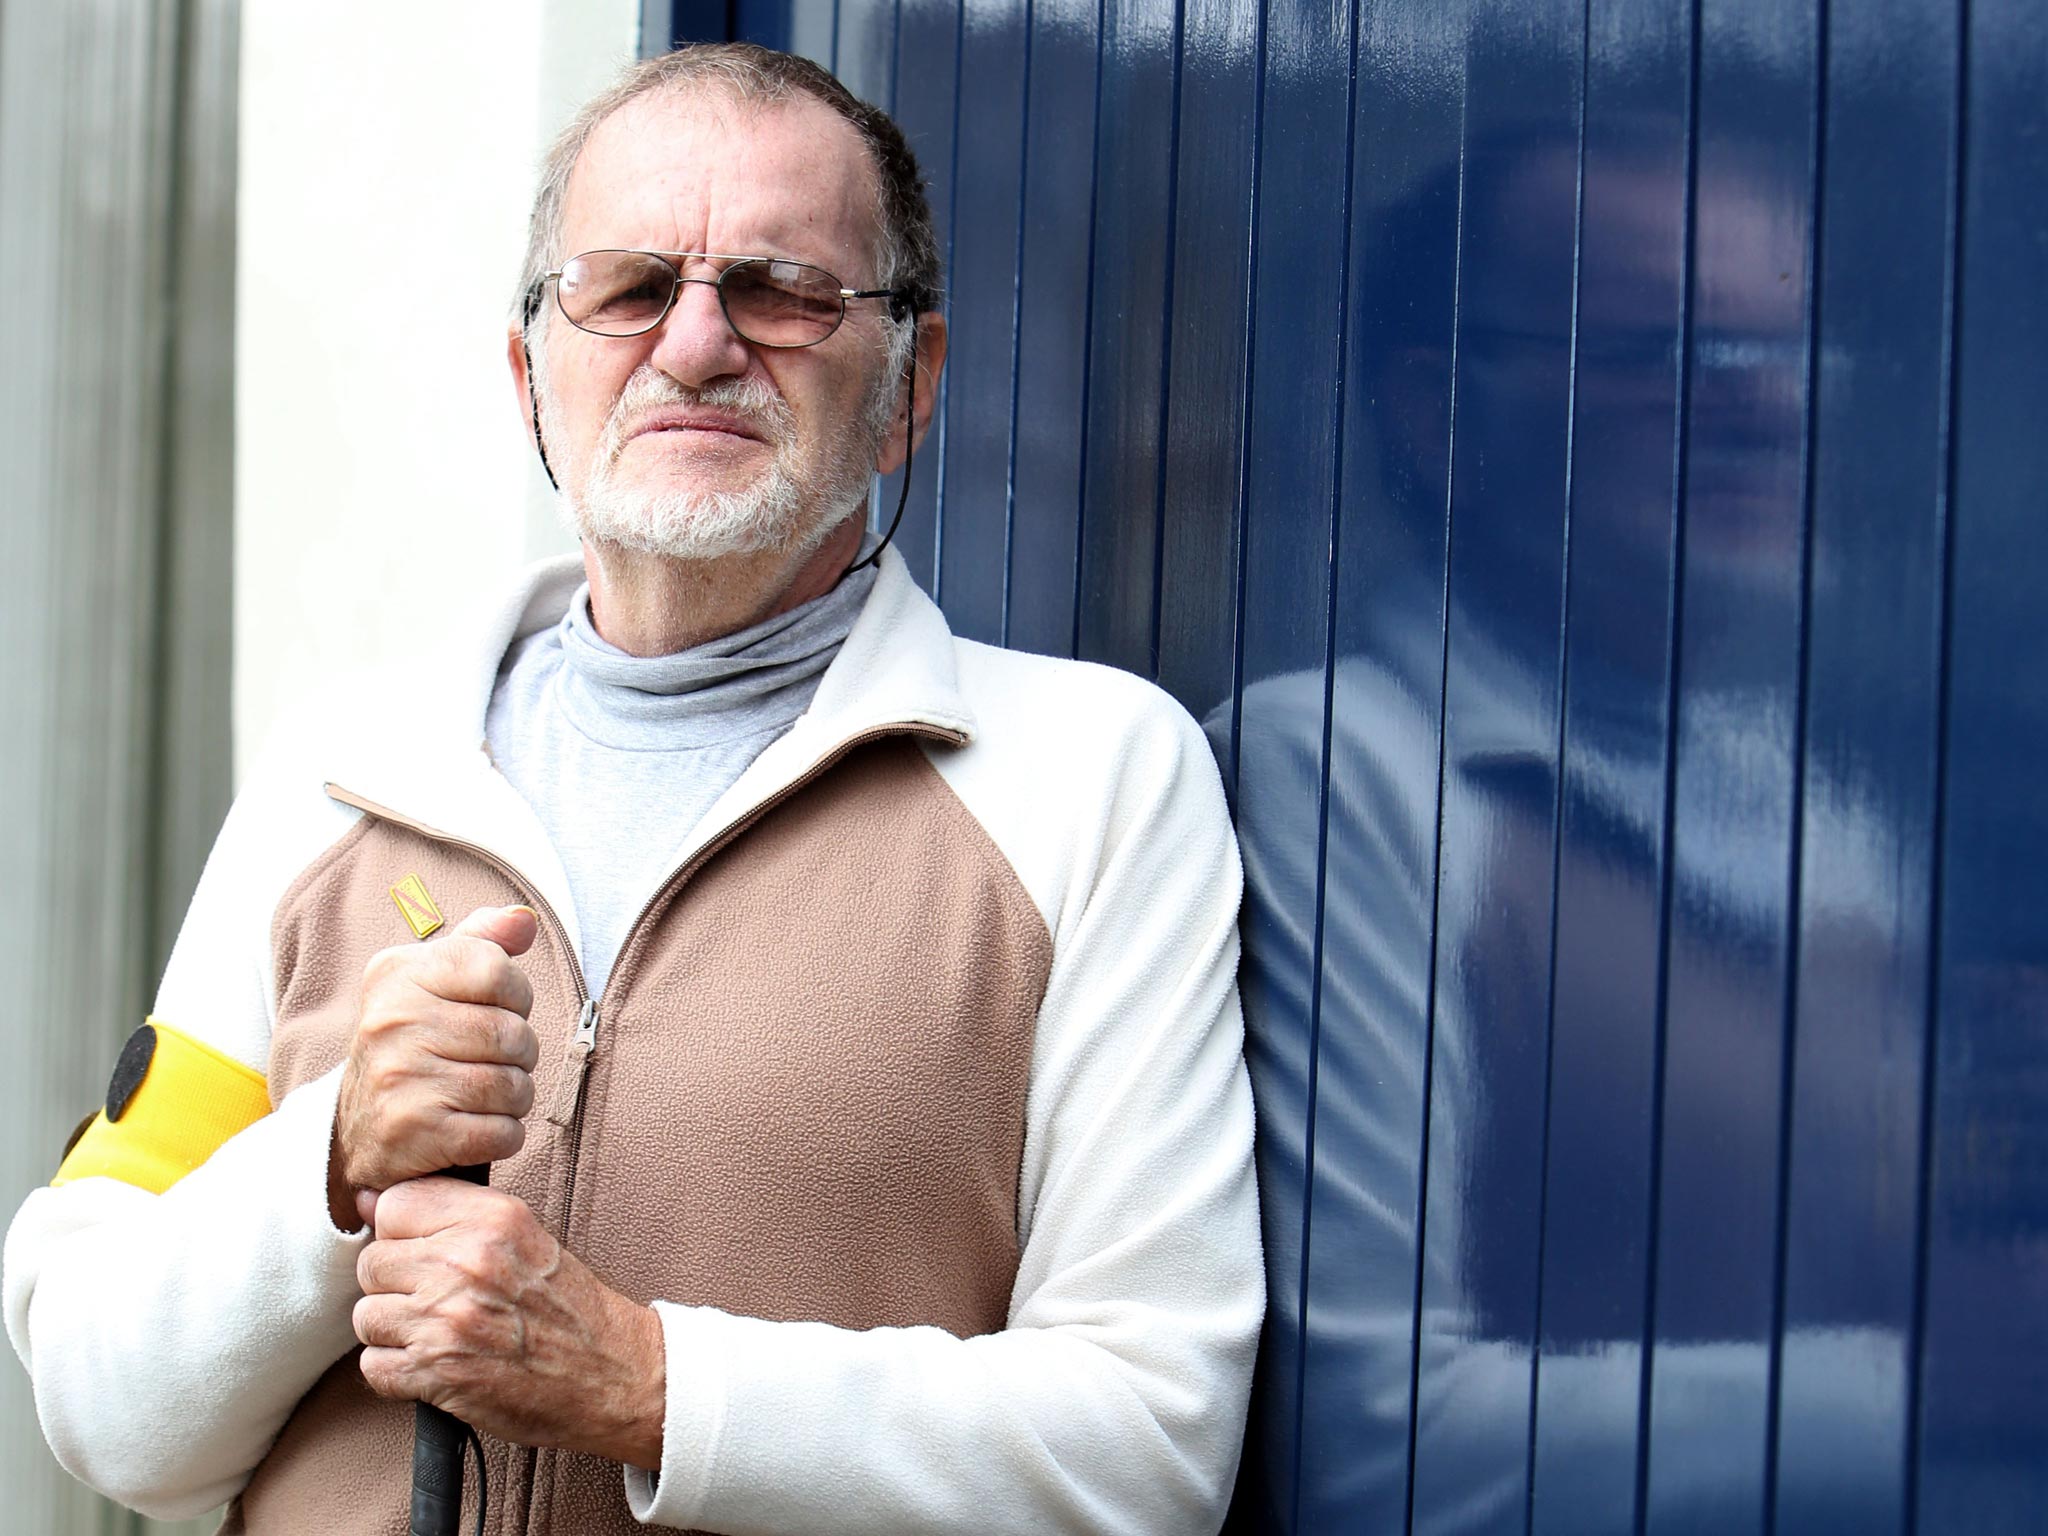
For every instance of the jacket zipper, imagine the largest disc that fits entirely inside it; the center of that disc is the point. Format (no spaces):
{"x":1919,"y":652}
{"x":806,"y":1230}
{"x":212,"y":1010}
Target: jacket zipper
{"x":582,"y":1045}
{"x":565,"y":1110}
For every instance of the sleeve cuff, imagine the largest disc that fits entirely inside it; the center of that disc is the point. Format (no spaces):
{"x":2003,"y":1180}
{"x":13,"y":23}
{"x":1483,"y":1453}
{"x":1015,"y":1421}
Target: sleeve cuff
{"x":694,"y":1344}
{"x":309,"y":1111}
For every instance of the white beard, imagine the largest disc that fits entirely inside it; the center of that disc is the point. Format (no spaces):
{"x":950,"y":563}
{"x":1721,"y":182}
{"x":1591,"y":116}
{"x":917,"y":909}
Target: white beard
{"x":785,"y":508}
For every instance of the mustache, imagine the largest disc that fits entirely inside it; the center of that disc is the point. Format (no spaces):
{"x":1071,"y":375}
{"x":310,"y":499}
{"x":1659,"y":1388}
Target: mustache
{"x":649,"y":389}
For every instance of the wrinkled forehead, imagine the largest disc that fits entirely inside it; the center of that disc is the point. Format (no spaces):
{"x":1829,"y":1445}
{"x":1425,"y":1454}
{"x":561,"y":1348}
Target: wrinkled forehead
{"x":698,"y":168}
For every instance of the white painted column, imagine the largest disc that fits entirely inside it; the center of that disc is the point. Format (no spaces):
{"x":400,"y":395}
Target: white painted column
{"x":384,"y":481}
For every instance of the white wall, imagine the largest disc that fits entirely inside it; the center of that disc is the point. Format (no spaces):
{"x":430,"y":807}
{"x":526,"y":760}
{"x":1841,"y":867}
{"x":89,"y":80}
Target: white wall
{"x":384,"y":484}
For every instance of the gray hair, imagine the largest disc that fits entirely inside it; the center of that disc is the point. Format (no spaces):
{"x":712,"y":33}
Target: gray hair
{"x":908,"y":244}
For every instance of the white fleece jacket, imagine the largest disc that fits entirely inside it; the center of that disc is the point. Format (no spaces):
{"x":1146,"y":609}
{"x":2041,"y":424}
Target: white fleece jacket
{"x":169,"y":1337}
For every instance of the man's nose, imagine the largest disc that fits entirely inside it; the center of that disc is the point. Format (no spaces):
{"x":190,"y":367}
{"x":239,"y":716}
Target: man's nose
{"x":694,"y":343}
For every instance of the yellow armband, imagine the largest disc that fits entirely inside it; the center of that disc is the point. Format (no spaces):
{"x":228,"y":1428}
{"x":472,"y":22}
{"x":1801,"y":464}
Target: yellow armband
{"x":170,"y":1105}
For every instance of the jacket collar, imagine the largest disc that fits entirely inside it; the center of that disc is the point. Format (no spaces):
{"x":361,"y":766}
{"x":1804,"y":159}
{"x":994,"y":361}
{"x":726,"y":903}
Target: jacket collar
{"x":425,"y":760}
{"x":895,"y":667}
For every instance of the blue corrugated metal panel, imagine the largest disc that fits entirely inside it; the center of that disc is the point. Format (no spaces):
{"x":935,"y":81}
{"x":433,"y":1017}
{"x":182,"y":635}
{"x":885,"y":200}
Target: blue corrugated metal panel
{"x":1732,"y":879}
{"x":1222,"y":45}
{"x":1511,"y":403}
{"x":1131,"y":300}
{"x":1983,"y":1412}
{"x":1873,"y":689}
{"x":865,"y":52}
{"x":1607,"y":971}
{"x":927,"y":60}
{"x":1581,"y":459}
{"x":1053,"y":289}
{"x":981,"y":398}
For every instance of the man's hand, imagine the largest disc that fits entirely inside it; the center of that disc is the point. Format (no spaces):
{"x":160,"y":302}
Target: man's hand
{"x":469,"y":1304}
{"x":440,"y":1072}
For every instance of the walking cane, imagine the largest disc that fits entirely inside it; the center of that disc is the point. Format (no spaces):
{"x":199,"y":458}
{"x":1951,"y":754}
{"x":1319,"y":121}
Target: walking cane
{"x":437,"y":1442}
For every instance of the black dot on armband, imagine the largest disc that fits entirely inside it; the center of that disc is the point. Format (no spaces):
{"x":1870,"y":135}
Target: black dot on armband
{"x":130,"y":1070}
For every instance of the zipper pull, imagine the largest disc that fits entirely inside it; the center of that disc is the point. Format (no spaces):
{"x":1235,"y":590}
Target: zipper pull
{"x":581,"y":1045}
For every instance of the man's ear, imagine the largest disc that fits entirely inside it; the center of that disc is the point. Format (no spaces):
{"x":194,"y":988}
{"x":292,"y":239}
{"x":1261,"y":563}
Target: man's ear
{"x":517,"y":358}
{"x":930,"y":363}
{"x":522,"y":386}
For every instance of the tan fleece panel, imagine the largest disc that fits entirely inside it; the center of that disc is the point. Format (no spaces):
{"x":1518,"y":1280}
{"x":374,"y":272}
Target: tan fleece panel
{"x":330,"y":922}
{"x":807,"y":1100}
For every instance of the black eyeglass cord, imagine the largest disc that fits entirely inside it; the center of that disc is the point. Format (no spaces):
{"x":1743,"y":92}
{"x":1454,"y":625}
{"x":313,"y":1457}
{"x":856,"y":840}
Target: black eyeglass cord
{"x":533,"y":399}
{"x":909,"y":432}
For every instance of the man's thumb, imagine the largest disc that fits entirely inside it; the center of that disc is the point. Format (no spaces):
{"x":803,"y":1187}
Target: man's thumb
{"x":512,"y":929}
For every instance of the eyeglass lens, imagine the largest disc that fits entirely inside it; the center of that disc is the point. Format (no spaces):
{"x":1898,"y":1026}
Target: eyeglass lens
{"x":771,"y":302}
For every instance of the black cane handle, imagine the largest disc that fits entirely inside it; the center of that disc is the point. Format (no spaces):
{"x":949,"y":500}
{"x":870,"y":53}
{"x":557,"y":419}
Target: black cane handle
{"x":437,"y":1439}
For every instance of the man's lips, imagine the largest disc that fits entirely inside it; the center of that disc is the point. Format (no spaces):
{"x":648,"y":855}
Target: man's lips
{"x":693,"y":419}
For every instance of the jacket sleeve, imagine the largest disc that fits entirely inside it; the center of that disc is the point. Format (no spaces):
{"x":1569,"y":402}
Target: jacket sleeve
{"x":167,"y":1337}
{"x":1114,"y":1400}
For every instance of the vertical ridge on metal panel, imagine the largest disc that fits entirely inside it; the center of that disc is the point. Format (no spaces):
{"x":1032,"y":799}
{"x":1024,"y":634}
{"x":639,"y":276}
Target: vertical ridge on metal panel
{"x":867,"y":57}
{"x":1867,"y":834}
{"x":927,"y":36}
{"x":1291,"y":440}
{"x":1338,"y":743}
{"x":1916,"y":1342}
{"x":1132,"y":248}
{"x":1729,"y":965}
{"x":1052,"y":304}
{"x":1674,"y":682}
{"x":1501,"y":714}
{"x":1623,"y":532}
{"x":865,"y":47}
{"x":1293,"y":449}
{"x":1984,"y":1395}
{"x":1208,"y":363}
{"x":987,"y":170}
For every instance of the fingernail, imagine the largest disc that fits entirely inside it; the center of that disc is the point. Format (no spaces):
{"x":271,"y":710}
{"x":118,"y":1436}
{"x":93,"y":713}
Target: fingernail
{"x":522,"y":907}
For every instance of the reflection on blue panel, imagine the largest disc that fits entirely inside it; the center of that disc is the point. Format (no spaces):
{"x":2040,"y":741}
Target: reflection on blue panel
{"x":1867,"y":823}
{"x":1735,"y":774}
{"x":1609,"y":940}
{"x":1127,"y":335}
{"x":927,"y":51}
{"x":1984,"y":1397}
{"x":867,"y":52}
{"x":988,"y":164}
{"x":1531,"y":439}
{"x":1509,"y":477}
{"x":1330,"y":1447}
{"x":1207,"y":368}
{"x":1053,"y":302}
{"x":1296,"y":343}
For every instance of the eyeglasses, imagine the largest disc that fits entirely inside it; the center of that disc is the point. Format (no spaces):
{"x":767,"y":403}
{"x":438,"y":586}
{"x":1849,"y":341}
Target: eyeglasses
{"x":767,"y":300}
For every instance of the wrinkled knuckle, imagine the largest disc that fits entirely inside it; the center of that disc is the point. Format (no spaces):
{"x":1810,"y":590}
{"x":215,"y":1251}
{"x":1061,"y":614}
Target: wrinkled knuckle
{"x":382,"y":966}
{"x":395,"y":1204}
{"x":500,"y":1219}
{"x":464,"y":1319}
{"x":382,"y":1076}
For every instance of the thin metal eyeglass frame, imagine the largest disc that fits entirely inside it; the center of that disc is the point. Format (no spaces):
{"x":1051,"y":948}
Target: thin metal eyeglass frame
{"x":897,"y":296}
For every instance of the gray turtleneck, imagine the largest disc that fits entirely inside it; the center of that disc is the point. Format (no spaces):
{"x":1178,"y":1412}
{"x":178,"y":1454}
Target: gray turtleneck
{"x":620,"y":756}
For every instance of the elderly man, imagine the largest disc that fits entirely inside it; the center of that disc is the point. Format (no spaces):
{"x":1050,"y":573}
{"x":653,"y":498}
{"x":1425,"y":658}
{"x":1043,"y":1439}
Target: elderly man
{"x":847,"y":1012}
